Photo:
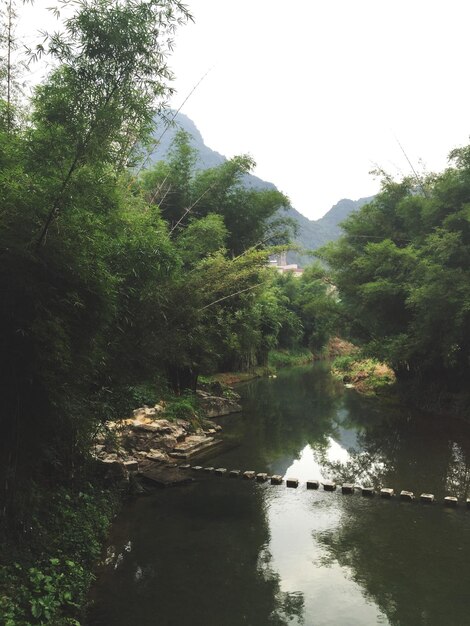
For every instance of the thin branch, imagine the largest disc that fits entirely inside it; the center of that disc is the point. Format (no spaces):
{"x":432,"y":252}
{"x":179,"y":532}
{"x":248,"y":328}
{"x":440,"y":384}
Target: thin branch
{"x":167,"y":126}
{"x":189,"y":209}
{"x":417,"y":178}
{"x":230,"y":296}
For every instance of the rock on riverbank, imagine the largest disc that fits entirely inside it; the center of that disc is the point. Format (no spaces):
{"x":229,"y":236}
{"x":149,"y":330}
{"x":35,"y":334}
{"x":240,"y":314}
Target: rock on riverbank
{"x":148,"y":440}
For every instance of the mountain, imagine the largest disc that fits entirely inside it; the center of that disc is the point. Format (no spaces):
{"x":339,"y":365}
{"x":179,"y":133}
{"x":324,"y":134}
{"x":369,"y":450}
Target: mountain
{"x":311,"y":233}
{"x":165,"y":134}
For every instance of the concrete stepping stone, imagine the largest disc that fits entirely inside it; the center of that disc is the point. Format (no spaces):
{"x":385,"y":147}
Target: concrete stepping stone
{"x":426,"y":498}
{"x":313,"y":484}
{"x":407,"y":496}
{"x":292,"y":482}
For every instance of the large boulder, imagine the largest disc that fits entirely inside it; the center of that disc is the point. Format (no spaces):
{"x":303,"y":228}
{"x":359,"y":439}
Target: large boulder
{"x":215,"y":406}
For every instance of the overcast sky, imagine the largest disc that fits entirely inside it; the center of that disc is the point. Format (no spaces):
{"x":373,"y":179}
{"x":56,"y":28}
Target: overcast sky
{"x":319,"y":92}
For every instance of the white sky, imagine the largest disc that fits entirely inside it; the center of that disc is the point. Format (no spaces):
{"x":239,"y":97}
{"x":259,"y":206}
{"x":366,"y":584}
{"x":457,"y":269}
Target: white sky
{"x":319,"y":91}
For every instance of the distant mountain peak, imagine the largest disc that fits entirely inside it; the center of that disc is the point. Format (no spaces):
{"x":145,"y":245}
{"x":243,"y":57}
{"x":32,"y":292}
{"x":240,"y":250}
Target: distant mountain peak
{"x":206,"y":158}
{"x":312,"y":233}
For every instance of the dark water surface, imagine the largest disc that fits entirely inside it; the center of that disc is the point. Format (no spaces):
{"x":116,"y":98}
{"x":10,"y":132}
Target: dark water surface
{"x":224,"y":552}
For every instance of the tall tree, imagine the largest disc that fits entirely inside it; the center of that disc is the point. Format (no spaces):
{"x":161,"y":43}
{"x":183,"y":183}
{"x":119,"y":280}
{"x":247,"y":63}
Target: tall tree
{"x":251,"y":216}
{"x":101,"y":100}
{"x":65,"y":208}
{"x":403,"y":273}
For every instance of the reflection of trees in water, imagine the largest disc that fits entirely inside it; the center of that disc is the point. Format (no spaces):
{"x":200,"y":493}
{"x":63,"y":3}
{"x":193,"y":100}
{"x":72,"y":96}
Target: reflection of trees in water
{"x":362,"y":468}
{"x":405,"y":450}
{"x":458,"y":476}
{"x":397,"y":447}
{"x":282,"y":415}
{"x":199,"y":555}
{"x":410,"y":560}
{"x":288,"y":605}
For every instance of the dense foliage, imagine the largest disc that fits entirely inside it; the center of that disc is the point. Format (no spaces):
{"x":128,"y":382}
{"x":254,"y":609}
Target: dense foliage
{"x":114,"y":280}
{"x":403,"y":273}
{"x":112,"y":277}
{"x":310,"y":309}
{"x":45,"y":578}
{"x":67,"y":222}
{"x":251,"y":216}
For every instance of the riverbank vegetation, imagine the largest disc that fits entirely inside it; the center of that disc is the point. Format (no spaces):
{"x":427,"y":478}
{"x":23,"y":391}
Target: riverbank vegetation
{"x":402,"y":270}
{"x":117,"y":282}
{"x":364,"y":374}
{"x":45,"y":575}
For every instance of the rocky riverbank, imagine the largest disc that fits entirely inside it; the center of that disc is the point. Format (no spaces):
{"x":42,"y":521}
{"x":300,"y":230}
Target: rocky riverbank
{"x":149,"y":445}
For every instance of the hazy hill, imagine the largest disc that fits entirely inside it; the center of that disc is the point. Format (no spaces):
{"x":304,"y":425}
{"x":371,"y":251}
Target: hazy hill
{"x":206,"y":156}
{"x":312,"y":233}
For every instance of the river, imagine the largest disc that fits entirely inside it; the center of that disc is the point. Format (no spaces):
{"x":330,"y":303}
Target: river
{"x":232,"y":552}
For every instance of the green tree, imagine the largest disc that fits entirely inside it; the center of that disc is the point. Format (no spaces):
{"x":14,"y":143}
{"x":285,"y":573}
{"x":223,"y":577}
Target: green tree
{"x":211,"y":318}
{"x":402,"y":270}
{"x":251,"y":216}
{"x":65,"y":210}
{"x":310,"y":309}
{"x":168,"y":183}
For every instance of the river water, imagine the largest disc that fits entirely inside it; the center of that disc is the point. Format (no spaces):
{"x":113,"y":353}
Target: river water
{"x":231,"y":552}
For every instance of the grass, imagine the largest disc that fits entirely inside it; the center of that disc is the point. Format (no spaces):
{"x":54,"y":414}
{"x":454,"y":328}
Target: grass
{"x":289,"y":358}
{"x":366,"y":375}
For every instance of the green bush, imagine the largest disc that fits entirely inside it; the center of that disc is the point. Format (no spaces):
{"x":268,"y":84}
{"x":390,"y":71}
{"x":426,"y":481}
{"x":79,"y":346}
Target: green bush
{"x":184,"y":407}
{"x":43,"y":595}
{"x":146,"y":393}
{"x":48,"y":580}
